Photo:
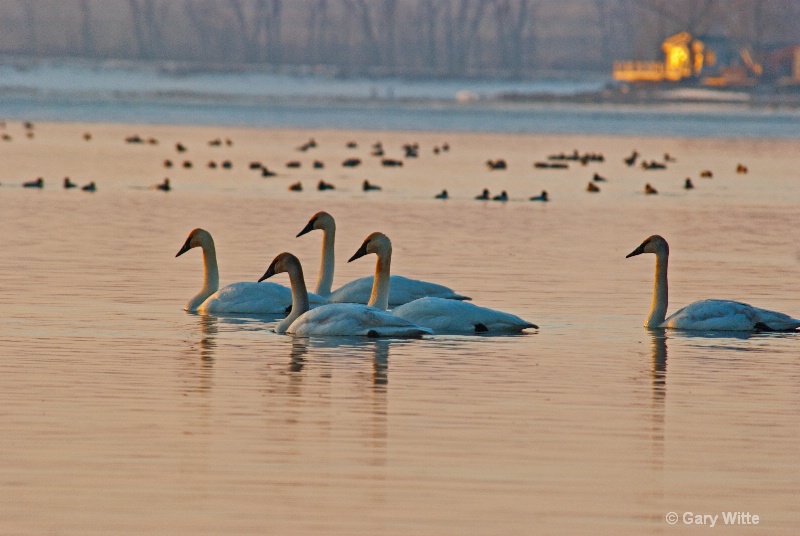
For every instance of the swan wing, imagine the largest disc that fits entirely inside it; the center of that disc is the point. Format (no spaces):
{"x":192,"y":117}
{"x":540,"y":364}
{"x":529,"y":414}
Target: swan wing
{"x":451,"y":316}
{"x":401,"y":290}
{"x":248,"y":297}
{"x":353,"y":319}
{"x":727,"y":315}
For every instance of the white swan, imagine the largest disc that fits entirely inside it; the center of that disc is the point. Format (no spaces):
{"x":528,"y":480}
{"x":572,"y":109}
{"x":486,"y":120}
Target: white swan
{"x":705,"y":315}
{"x":402,"y":289}
{"x":438,"y":314}
{"x":243,"y":297}
{"x":335,"y":319}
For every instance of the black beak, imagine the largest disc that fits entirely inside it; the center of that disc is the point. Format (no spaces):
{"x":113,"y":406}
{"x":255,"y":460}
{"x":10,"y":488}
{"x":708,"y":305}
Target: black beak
{"x":269,"y":273}
{"x":308,"y":228}
{"x":637,"y":251}
{"x":186,"y":247}
{"x":361,"y":252}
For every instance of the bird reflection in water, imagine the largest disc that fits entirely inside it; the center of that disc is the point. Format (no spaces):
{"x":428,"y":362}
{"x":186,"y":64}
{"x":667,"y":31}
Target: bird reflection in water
{"x":344,"y":347}
{"x":658,"y":379}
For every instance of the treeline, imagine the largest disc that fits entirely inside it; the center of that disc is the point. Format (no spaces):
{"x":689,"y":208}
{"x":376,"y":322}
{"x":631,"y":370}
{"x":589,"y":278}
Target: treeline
{"x":508,"y":38}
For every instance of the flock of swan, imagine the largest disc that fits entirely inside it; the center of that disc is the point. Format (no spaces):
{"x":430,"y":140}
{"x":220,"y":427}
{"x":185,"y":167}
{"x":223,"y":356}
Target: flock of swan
{"x":358,"y":308}
{"x":386,"y":305}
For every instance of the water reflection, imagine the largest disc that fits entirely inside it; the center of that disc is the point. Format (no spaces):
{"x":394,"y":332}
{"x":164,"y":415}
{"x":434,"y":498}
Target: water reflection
{"x":658,"y":382}
{"x":303,"y":348}
{"x":209,"y":329}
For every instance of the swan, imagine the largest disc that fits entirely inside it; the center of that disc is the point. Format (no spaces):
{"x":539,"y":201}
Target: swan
{"x":437,"y":314}
{"x":402,"y":289}
{"x":334,"y":319}
{"x":243,"y":297}
{"x":712,"y":315}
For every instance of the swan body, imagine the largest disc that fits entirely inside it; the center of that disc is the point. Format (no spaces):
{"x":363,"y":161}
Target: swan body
{"x":704,"y":315}
{"x":242,"y":298}
{"x":401,"y":290}
{"x":336,"y":319}
{"x":438,"y":314}
{"x":449,"y":316}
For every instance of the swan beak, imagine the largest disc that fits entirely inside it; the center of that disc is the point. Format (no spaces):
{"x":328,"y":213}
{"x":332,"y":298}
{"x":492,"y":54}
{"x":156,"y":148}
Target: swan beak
{"x":269,"y":273}
{"x":186,"y":247}
{"x":308,"y":228}
{"x":637,"y":251}
{"x":361,"y":252}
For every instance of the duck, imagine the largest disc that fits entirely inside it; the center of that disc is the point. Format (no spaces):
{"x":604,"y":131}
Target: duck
{"x":334,"y":319}
{"x":442,"y":195}
{"x":704,"y":315}
{"x":688,"y":184}
{"x":296,"y":187}
{"x":484,"y":195}
{"x":91,"y":187}
{"x":631,"y":160}
{"x":437,"y":314}
{"x":368,"y":186}
{"x":541,"y":197}
{"x":598,"y":178}
{"x":649,"y":190}
{"x":68,"y":184}
{"x":707,"y":174}
{"x":403,"y":289}
{"x":164,"y":186}
{"x":592,"y":187}
{"x":322,"y":185}
{"x":502,"y":196}
{"x":38,"y":183}
{"x":244,"y":297}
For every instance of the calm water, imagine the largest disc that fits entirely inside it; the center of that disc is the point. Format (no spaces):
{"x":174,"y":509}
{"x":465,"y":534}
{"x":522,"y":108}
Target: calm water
{"x":120,"y":413}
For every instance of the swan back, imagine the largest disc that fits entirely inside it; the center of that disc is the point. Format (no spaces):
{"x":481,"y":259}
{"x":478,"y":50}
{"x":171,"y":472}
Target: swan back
{"x":451,"y":316}
{"x":353,"y":319}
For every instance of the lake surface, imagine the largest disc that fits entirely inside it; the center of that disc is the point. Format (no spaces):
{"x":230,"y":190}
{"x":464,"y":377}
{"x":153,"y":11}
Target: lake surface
{"x":120,"y":413}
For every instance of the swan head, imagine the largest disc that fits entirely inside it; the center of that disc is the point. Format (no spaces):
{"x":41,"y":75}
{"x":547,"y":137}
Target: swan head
{"x":320,"y":220}
{"x":284,"y":262}
{"x":377,"y":243}
{"x":654,"y":244}
{"x":197,"y":238}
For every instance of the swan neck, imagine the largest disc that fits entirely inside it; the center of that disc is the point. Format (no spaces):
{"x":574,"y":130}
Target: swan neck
{"x":658,"y":309}
{"x":325,"y":278}
{"x":299,"y":298}
{"x":210,"y":276}
{"x":380,"y":286}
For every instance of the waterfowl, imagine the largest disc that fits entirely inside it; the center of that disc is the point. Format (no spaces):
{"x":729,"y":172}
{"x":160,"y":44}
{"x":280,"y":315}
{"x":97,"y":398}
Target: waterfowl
{"x":212,"y":165}
{"x":296,"y":187}
{"x":442,"y":195}
{"x":484,"y":195}
{"x":318,"y":164}
{"x":294,"y":164}
{"x":741,"y":168}
{"x":187,"y":164}
{"x":181,"y":148}
{"x":541,"y":197}
{"x":164,"y":186}
{"x":322,"y":185}
{"x":592,"y":187}
{"x":244,"y":297}
{"x":402,"y":289}
{"x":649,"y":190}
{"x":351,"y":162}
{"x":391,"y":162}
{"x":69,"y":184}
{"x":688,"y":184}
{"x":502,"y":196}
{"x":598,"y":178}
{"x":438,"y":314}
{"x":411,"y":150}
{"x":38,"y":183}
{"x":167,"y":163}
{"x":335,"y":319}
{"x":267,"y":173}
{"x":227,"y":164}
{"x":368,"y":186}
{"x":496,"y":164}
{"x":706,"y":315}
{"x":631,"y":160}
{"x":706,"y":174}
{"x":91,"y":187}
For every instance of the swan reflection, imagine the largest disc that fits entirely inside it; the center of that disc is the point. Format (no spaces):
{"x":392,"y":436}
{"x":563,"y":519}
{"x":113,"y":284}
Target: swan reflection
{"x":304,"y":349}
